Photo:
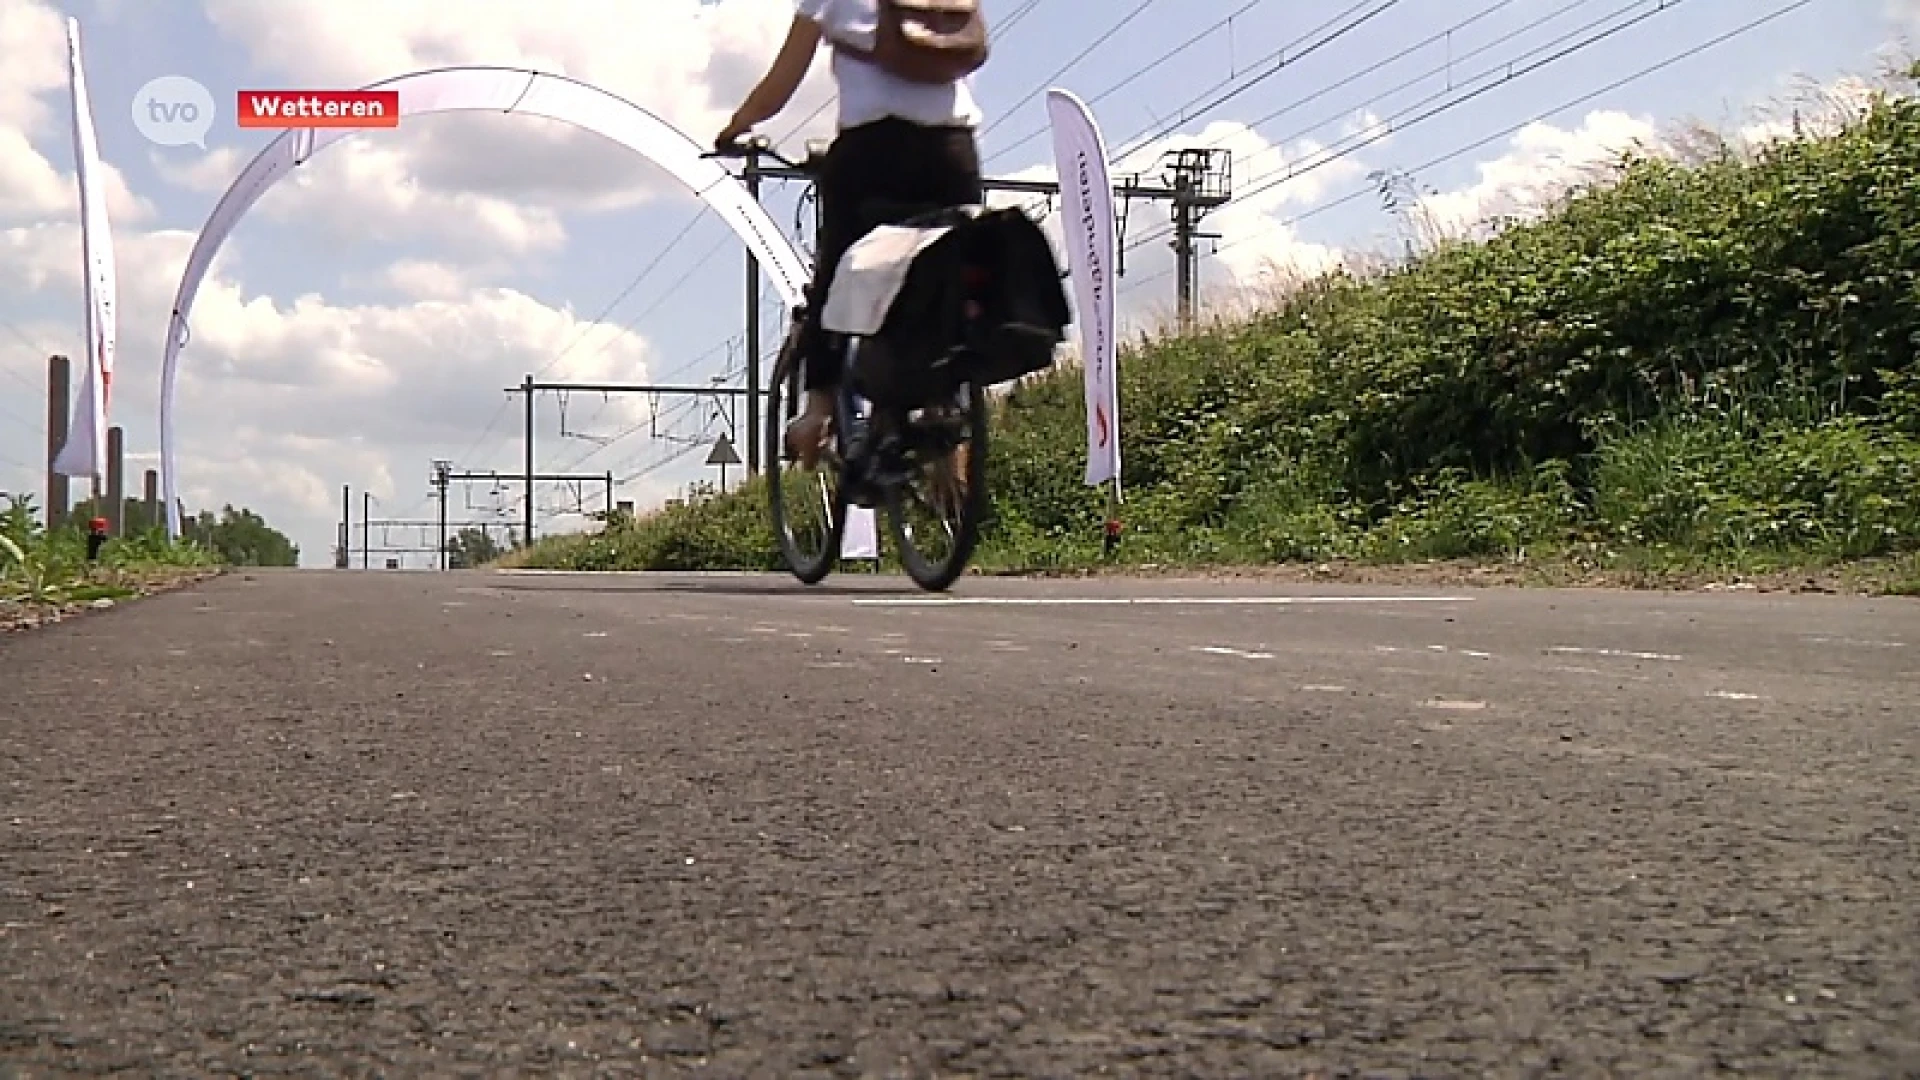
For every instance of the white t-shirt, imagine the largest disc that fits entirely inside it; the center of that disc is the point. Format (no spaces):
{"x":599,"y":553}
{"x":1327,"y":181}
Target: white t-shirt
{"x":868,"y":93}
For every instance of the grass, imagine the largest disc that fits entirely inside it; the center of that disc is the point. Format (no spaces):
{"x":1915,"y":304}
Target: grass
{"x":1697,"y":362}
{"x":43,"y":570}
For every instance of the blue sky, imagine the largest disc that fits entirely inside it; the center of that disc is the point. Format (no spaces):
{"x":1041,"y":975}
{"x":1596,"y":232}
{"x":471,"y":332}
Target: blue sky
{"x":366,"y":316}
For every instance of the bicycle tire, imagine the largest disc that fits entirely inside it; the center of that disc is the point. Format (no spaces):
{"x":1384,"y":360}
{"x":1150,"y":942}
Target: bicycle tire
{"x":809,"y":569}
{"x":938,"y":576}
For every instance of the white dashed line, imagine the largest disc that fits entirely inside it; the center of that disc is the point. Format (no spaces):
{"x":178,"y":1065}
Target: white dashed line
{"x":1453,"y":706}
{"x":1574,"y":650}
{"x":1123,"y":601}
{"x":1222,"y":650}
{"x":1857,"y":643}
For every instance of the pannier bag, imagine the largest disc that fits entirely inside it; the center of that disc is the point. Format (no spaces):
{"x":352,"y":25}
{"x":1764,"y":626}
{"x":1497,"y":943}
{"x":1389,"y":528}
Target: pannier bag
{"x":904,"y":290}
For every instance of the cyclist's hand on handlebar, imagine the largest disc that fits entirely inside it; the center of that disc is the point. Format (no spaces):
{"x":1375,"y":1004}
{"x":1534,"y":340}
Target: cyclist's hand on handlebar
{"x":737,"y":142}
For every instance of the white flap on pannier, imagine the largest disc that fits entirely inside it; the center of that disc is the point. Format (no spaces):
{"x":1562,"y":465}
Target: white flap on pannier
{"x":870,"y":276}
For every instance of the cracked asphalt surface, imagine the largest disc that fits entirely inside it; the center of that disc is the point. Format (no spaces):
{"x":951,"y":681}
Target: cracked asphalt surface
{"x":378,"y":824}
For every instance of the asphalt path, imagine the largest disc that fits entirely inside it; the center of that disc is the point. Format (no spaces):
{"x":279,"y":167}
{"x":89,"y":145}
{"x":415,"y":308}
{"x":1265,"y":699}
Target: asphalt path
{"x":409,"y":824}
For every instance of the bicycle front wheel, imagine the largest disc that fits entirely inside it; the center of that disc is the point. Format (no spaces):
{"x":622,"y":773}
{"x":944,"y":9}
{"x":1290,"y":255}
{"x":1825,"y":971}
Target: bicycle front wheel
{"x":935,"y":516}
{"x":808,"y":508}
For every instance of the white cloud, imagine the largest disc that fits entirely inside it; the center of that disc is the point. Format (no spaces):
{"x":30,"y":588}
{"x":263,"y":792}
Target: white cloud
{"x":358,"y":188}
{"x":33,"y":188}
{"x":208,"y":173}
{"x":362,"y":190}
{"x":33,"y":39}
{"x":421,"y":279}
{"x":1542,"y":160}
{"x":35,"y":101}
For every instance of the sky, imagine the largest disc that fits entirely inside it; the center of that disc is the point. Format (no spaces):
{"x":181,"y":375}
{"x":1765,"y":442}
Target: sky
{"x":369,"y":313}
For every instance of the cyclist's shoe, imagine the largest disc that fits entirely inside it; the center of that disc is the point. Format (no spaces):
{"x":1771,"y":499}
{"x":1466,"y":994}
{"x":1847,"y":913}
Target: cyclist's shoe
{"x":886,"y":463}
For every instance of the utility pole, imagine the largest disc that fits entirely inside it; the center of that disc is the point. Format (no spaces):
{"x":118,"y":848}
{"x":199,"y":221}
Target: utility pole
{"x":526,"y":530}
{"x":751,"y":173}
{"x":366,"y":524}
{"x":343,"y":551}
{"x":441,"y":468}
{"x":116,"y":481}
{"x":1193,"y":181}
{"x":59,"y":389}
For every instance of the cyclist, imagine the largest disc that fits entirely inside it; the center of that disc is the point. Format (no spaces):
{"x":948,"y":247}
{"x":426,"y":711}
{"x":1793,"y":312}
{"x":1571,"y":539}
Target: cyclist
{"x":897,"y":140}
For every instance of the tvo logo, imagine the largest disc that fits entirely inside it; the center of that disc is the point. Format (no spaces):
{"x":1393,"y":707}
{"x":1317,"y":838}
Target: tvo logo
{"x":174,"y":110}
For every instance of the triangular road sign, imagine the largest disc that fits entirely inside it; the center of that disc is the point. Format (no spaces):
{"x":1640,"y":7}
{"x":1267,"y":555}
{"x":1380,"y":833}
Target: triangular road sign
{"x":723,"y":453}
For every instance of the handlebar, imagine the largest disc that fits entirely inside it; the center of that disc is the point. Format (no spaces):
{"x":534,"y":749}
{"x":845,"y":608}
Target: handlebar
{"x":754,"y":146}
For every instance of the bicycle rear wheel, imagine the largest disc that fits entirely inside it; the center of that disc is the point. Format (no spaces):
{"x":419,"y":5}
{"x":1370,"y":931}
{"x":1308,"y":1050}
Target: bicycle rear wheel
{"x":935,"y":516}
{"x":808,"y":508}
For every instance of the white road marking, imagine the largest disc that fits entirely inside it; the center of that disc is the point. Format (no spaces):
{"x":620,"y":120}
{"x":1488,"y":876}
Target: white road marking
{"x":1222,"y":650}
{"x":1476,"y":654}
{"x":1574,"y":650}
{"x":1123,"y":601}
{"x":660,"y":574}
{"x":1858,"y":643}
{"x":1455,"y":706}
{"x":1733,"y":695}
{"x":595,"y":633}
{"x":1321,"y":688}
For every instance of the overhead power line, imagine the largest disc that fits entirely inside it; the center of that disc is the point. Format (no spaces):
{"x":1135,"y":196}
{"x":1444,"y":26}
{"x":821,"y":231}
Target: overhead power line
{"x":1507,"y":132}
{"x":1420,"y":112}
{"x":1281,"y":60}
{"x":1444,"y":67}
{"x":1140,"y":73}
{"x":1126,"y":20}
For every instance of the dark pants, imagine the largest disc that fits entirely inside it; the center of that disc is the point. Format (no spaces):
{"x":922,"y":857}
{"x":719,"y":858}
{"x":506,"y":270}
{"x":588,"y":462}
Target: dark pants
{"x":893,"y":161}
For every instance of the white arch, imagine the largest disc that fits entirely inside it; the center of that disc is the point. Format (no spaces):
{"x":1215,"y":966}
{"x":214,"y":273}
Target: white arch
{"x":473,"y":89}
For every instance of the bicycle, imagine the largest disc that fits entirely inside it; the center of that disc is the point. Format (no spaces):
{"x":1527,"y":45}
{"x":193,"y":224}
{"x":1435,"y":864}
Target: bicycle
{"x":878,"y":455}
